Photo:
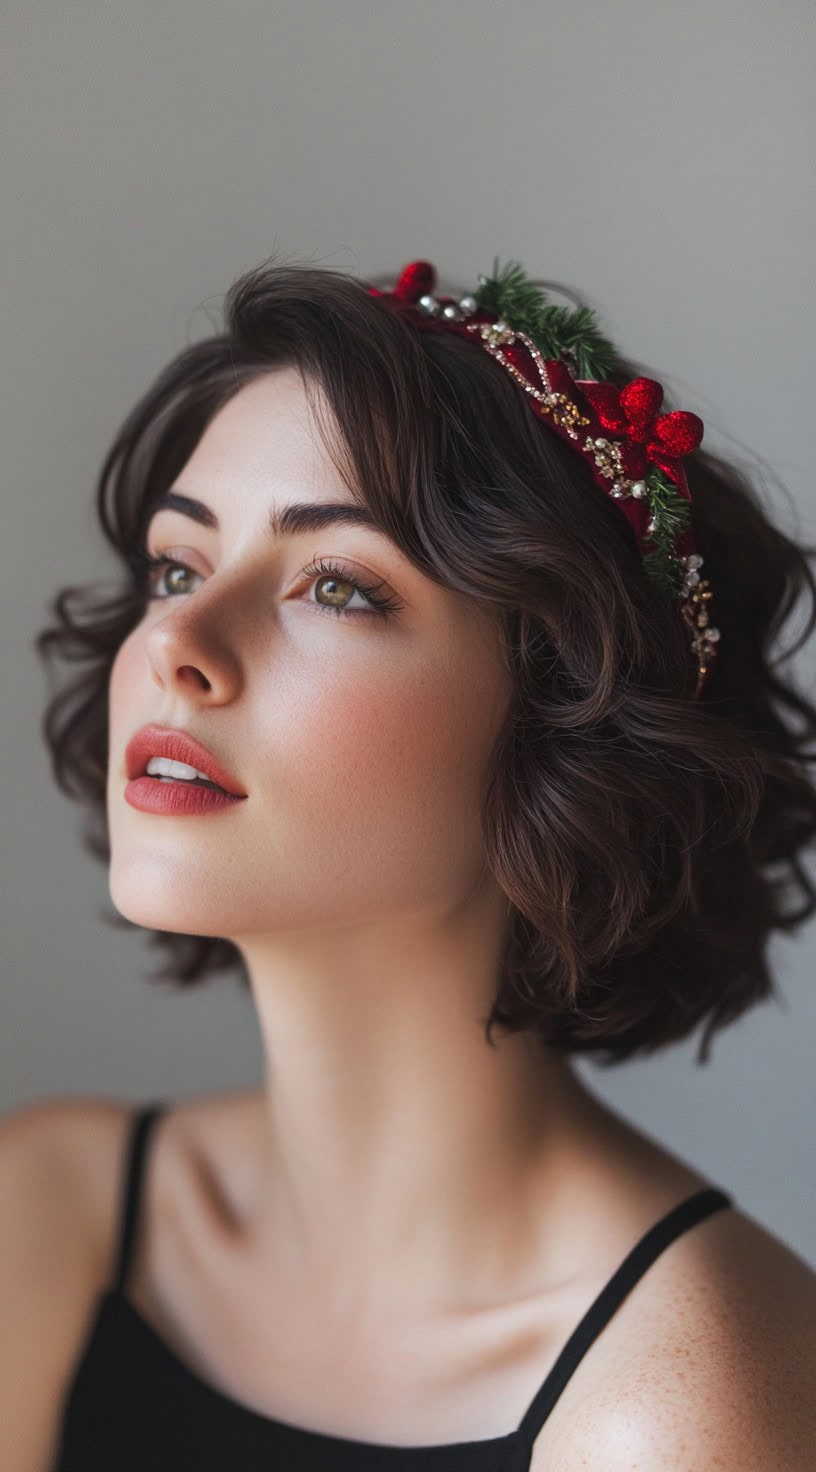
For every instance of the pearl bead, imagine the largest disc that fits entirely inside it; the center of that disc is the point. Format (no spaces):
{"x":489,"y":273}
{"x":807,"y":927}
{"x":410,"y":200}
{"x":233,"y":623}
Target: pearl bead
{"x":429,"y":304}
{"x":639,"y":488}
{"x":468,"y":304}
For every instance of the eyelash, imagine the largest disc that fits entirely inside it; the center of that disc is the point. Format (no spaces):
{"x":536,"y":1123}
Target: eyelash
{"x":381,"y":606}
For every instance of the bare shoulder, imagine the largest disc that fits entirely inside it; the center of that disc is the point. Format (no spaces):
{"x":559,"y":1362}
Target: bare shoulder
{"x":710,"y":1362}
{"x":60,"y":1166}
{"x":60,"y":1162}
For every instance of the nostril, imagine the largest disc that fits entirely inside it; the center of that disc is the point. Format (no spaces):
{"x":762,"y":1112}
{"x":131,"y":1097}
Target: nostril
{"x":196,"y":674}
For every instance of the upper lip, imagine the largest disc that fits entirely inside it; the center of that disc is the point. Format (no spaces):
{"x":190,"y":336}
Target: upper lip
{"x":180,"y":746}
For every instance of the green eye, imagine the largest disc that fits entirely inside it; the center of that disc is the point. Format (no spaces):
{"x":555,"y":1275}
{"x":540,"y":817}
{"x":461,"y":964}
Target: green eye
{"x":160,"y":565}
{"x":378,"y":604}
{"x":174,"y":583}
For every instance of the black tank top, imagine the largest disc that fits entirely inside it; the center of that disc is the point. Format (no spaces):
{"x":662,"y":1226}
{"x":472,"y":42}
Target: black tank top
{"x":133,"y":1406}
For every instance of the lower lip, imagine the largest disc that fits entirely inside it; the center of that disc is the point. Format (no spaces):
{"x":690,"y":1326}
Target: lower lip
{"x":177,"y":798}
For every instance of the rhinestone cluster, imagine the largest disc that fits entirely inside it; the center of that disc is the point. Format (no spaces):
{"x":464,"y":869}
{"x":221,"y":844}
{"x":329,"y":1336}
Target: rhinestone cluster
{"x":607,"y":457}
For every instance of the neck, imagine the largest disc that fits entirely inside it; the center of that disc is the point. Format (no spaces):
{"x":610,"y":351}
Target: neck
{"x":391,"y":1128}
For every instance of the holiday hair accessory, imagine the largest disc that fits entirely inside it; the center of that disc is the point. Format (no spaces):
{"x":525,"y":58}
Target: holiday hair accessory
{"x":634,"y":449}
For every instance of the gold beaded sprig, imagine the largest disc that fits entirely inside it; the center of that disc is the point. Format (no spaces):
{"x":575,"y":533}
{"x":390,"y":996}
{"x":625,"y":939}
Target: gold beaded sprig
{"x":694,"y":609}
{"x":562,"y":409}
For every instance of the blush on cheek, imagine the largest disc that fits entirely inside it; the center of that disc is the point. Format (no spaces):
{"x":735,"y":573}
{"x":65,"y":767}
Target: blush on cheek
{"x":407,"y":751}
{"x":366,"y":732}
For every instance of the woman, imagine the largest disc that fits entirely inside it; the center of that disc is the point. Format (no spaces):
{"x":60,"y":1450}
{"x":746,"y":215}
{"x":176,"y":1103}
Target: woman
{"x":459,"y":800}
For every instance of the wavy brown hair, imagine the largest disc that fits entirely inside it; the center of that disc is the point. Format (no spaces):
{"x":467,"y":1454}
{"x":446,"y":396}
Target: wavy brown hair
{"x":649,"y":845}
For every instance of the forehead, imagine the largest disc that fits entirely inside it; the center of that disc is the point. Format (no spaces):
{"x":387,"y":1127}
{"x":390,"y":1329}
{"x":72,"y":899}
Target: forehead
{"x":267,"y":438}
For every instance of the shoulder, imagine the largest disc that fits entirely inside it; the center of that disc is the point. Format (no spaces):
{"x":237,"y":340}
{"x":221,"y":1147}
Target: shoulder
{"x":60,"y":1164}
{"x":710,"y":1362}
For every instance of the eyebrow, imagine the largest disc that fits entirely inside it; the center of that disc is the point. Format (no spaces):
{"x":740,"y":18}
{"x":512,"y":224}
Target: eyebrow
{"x":285,"y":521}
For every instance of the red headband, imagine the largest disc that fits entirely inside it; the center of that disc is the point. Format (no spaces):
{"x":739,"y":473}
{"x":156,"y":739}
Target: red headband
{"x":620,"y":433}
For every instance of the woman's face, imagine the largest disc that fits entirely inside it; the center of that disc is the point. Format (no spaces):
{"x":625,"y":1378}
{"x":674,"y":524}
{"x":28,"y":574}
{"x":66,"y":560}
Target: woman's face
{"x":360,"y":740}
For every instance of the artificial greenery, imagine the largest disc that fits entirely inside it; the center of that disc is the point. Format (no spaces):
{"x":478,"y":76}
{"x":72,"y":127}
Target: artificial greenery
{"x":670,"y":516}
{"x":557,"y":331}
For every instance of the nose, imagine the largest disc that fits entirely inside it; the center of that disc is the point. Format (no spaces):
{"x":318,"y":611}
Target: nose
{"x":187,"y":650}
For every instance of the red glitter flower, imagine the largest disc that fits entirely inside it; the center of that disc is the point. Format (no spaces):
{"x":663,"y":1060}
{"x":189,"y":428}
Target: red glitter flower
{"x":632,"y":413}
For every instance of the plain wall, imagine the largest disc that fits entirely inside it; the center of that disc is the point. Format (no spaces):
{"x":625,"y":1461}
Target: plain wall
{"x":656,"y":157}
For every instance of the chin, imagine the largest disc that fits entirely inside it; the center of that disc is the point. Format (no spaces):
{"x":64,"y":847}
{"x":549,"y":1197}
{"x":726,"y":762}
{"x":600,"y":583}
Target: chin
{"x":160,"y":897}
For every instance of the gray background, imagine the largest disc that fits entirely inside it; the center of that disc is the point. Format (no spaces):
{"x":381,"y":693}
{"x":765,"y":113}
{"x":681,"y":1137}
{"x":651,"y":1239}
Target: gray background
{"x":656,"y":157}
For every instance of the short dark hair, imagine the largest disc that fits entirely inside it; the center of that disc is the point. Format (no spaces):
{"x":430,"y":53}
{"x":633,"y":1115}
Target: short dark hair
{"x":647,"y":844}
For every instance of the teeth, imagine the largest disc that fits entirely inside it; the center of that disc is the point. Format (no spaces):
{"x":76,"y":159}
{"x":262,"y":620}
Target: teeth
{"x":162,"y":766}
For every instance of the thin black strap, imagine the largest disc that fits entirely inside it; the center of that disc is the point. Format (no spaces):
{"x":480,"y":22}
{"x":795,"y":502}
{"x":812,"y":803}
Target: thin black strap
{"x":140,"y":1129}
{"x":634,"y":1265}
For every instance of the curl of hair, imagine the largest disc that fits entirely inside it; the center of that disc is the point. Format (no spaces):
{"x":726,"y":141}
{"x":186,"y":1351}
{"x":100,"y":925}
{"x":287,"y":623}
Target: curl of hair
{"x":649,"y":845}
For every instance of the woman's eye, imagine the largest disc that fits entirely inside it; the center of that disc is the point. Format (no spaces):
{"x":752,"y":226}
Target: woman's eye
{"x":329,"y":581}
{"x":336,"y":584}
{"x":157,"y":567}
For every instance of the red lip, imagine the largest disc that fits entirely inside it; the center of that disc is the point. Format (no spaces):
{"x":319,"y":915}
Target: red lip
{"x":180,"y":747}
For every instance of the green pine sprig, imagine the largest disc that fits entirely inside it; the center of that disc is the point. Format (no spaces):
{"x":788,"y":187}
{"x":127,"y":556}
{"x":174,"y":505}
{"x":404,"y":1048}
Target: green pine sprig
{"x":671,"y":515}
{"x":556,"y":331}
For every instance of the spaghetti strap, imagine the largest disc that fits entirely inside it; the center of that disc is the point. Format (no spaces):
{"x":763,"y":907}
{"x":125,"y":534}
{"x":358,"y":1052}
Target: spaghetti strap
{"x":133,"y":1176}
{"x":702,"y":1204}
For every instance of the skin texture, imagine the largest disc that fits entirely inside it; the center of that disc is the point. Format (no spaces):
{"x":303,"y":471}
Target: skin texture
{"x":395,"y":1181}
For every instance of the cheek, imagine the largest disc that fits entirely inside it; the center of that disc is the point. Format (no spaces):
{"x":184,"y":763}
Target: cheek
{"x":399,"y":743}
